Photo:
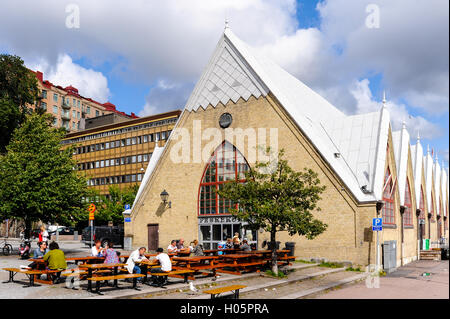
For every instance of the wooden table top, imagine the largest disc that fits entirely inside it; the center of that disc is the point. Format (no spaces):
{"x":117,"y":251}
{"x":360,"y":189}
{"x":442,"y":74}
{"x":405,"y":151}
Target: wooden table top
{"x":98,"y":266}
{"x":195,"y":258}
{"x":237,"y":256}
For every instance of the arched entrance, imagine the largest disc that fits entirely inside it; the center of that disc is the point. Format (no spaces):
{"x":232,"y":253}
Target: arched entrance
{"x":216,"y":224}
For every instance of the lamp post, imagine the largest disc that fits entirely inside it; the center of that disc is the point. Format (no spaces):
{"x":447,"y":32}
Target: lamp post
{"x":164,"y":197}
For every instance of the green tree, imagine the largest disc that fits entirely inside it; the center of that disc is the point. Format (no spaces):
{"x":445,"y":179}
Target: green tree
{"x":277,"y":198}
{"x":18,"y":88}
{"x":38,"y":181}
{"x":110,"y":208}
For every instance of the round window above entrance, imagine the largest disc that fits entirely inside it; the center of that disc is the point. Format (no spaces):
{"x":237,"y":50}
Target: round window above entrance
{"x":225,"y":120}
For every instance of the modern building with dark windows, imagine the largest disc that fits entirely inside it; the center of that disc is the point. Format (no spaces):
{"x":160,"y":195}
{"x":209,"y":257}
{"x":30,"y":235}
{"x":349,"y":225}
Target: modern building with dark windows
{"x":118,"y":153}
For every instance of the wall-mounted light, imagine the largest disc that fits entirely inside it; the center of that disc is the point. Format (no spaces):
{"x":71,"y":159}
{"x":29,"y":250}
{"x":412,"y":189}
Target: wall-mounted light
{"x":337,"y":155}
{"x":165,"y":197}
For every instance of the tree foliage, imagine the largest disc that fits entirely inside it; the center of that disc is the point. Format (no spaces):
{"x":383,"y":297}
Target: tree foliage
{"x":111,"y":208}
{"x":18,"y":88}
{"x":38,"y":181}
{"x":277,"y":198}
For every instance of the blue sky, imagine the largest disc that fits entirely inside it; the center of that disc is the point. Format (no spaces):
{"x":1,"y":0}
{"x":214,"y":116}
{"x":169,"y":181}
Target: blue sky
{"x":145,"y":58}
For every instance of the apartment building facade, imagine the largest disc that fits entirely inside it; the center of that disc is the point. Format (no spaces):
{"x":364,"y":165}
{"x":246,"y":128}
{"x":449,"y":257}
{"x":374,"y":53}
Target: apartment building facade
{"x":118,"y":153}
{"x":69,"y":108}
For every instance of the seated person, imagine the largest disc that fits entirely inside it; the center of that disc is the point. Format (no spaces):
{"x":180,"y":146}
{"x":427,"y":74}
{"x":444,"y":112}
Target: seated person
{"x":135,"y":256}
{"x":166,"y":266}
{"x":245,"y":246}
{"x":180,"y":244}
{"x":172,"y":248}
{"x":229,"y":243}
{"x":39,"y":253}
{"x":197,"y":249}
{"x":110,"y":254}
{"x":41,"y":250}
{"x":56,"y":260}
{"x":97,"y":250}
{"x":236,"y":242}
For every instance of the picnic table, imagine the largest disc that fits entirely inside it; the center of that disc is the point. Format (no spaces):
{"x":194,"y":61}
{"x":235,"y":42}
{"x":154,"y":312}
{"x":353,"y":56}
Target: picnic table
{"x":197,"y":263}
{"x":92,"y":267}
{"x":215,"y":252}
{"x":240,"y":263}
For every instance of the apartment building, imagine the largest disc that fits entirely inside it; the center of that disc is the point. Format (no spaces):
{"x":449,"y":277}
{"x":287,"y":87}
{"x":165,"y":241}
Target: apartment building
{"x":69,"y":108}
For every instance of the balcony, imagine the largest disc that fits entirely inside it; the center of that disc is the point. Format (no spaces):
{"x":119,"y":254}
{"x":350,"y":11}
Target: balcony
{"x":65,"y":116}
{"x":65,"y":105}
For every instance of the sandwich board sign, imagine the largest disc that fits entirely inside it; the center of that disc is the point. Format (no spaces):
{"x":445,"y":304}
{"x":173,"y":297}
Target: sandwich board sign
{"x":377,"y":224}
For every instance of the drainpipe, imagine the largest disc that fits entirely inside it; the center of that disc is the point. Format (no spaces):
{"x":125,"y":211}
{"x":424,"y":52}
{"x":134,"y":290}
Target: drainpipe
{"x":379,"y":206}
{"x":419,"y":228}
{"x":402,"y":211}
{"x":429,"y":226}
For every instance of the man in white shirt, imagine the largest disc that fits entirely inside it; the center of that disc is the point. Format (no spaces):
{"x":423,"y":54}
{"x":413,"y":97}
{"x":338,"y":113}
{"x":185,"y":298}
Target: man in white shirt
{"x":172,"y":248}
{"x":137,"y":255}
{"x":166,"y":266}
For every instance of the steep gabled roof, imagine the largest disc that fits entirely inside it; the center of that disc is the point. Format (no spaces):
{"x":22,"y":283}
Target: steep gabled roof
{"x":428,"y":162}
{"x":236,"y":70}
{"x":417,"y":161}
{"x":401,"y":148}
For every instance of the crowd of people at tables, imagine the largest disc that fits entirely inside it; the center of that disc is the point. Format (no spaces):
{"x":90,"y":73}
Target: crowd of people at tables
{"x":56,"y":260}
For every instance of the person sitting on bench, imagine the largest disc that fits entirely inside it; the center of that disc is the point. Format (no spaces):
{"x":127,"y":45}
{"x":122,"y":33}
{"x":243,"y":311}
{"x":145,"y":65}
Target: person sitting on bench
{"x":110,"y":254}
{"x":97,"y":250}
{"x":166,"y":265}
{"x":172,"y":248}
{"x":55,"y":260}
{"x":245,"y":246}
{"x":39,"y":253}
{"x":197,"y":249}
{"x":137,"y":255}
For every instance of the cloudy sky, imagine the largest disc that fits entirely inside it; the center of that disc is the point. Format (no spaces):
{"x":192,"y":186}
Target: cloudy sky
{"x":146,"y":55}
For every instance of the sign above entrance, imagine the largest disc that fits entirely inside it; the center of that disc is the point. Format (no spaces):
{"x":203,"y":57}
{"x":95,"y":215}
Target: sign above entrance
{"x":218,"y":220}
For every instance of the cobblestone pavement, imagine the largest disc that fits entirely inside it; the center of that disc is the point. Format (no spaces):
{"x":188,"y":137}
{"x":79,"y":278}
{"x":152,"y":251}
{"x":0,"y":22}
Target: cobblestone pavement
{"x":407,"y":282}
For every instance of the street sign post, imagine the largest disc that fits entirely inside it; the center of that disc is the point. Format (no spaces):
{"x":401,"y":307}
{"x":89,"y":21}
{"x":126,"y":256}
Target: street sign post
{"x":91,"y":210}
{"x":127,"y":206}
{"x":377,"y":225}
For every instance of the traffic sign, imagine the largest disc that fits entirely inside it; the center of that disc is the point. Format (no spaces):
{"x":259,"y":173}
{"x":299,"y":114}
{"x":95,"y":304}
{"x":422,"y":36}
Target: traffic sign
{"x":91,"y":210}
{"x":377,"y":224}
{"x":127,"y":206}
{"x":127,"y":219}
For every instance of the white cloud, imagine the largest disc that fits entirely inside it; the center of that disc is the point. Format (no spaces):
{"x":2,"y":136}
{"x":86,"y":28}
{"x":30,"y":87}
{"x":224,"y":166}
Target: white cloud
{"x":398,"y":112}
{"x":90,"y":83}
{"x":166,"y":96}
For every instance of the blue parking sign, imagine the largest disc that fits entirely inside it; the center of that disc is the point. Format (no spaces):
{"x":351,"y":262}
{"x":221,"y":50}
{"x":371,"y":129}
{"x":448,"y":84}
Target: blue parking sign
{"x":127,"y":206}
{"x":377,"y":224}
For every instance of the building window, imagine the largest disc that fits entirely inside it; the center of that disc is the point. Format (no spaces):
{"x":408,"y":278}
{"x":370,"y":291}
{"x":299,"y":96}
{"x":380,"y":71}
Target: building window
{"x":55,"y":97}
{"x":145,"y":138}
{"x":44,"y":105}
{"x":97,"y":113}
{"x":78,"y":103}
{"x":44,"y":94}
{"x":407,"y":214}
{"x":88,"y":110}
{"x":74,"y":114}
{"x":55,"y":109}
{"x":226,"y":164}
{"x":388,"y":194}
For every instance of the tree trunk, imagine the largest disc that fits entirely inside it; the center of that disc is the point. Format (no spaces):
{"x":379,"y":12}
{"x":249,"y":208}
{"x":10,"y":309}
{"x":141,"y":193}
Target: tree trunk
{"x":27,"y":232}
{"x":273,"y":244}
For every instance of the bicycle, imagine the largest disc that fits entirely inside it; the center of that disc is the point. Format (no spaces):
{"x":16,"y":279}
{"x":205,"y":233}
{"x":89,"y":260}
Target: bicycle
{"x":7,"y":248}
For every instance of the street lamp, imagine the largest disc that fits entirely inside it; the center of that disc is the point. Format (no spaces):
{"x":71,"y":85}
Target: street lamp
{"x":165,"y":197}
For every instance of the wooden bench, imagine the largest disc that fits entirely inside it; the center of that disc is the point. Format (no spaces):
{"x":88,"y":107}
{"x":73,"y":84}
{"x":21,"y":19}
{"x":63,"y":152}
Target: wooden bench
{"x":99,"y":279}
{"x":174,"y":273}
{"x":239,"y":268}
{"x":217,"y":291}
{"x":30,"y":274}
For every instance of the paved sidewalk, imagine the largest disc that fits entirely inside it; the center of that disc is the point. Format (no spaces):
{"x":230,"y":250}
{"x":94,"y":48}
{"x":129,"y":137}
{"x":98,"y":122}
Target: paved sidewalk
{"x":405,"y":283}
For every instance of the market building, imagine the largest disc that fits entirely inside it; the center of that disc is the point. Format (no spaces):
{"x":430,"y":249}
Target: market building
{"x":242,"y":102}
